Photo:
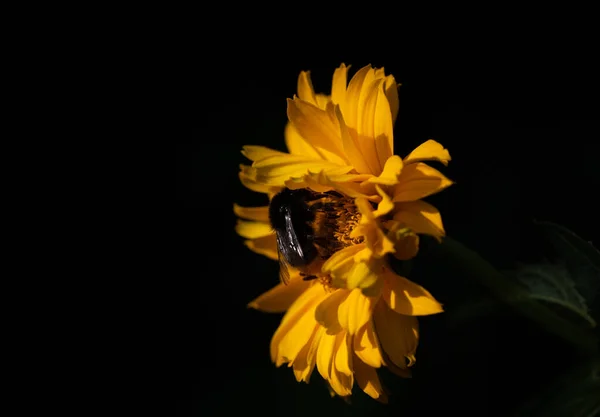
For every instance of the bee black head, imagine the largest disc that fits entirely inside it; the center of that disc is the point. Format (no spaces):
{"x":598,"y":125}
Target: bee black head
{"x":292,"y":202}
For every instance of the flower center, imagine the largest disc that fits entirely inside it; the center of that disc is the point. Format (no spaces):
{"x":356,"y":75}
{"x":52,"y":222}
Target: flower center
{"x":335,"y":218}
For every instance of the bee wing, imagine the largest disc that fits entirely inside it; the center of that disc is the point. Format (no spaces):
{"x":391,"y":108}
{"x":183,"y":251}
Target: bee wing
{"x":284,"y":273}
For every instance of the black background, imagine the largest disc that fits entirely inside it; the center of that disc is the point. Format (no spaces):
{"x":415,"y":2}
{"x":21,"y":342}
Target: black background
{"x":518,"y":111}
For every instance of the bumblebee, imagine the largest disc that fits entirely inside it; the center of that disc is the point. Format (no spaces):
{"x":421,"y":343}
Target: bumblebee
{"x":310,"y":227}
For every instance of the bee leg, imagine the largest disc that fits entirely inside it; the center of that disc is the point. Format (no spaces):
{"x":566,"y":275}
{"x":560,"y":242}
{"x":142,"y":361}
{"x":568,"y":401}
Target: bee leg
{"x":308,"y":277}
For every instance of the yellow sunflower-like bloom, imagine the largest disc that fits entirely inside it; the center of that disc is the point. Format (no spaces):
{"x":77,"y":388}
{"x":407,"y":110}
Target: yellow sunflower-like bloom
{"x":359,"y":314}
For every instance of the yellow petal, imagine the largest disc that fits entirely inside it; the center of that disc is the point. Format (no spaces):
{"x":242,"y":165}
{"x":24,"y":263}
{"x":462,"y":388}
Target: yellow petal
{"x":385,"y":205}
{"x":298,"y":336}
{"x":396,"y":370}
{"x":405,"y":297}
{"x":307,"y":358}
{"x":319,"y":128}
{"x":263,"y":156}
{"x":304,"y":306}
{"x":297,"y":145}
{"x":359,"y":112}
{"x":391,"y":92}
{"x":340,"y":382}
{"x":363,"y":275}
{"x":273,"y":168}
{"x":368,"y":381}
{"x":255,"y":152}
{"x":259,"y":214}
{"x":247,"y":177}
{"x":365,"y":255}
{"x":339,"y":83}
{"x":421,"y":217}
{"x":419,"y":180}
{"x":375,"y":238}
{"x":397,"y":334}
{"x":377,"y":123}
{"x":354,"y":311}
{"x":347,"y":184}
{"x":429,"y":151}
{"x":309,"y":181}
{"x":365,"y":209}
{"x":391,"y":171}
{"x":351,"y":147}
{"x":343,"y":357}
{"x":341,"y":261}
{"x":306,"y":91}
{"x":279,"y":298}
{"x":266,"y":246}
{"x":323,"y":102}
{"x":351,"y":106}
{"x":325,"y":354}
{"x":366,"y":346}
{"x":357,"y":271}
{"x":253,"y":230}
{"x":348,"y":177}
{"x":326,"y":313}
{"x":374,"y":290}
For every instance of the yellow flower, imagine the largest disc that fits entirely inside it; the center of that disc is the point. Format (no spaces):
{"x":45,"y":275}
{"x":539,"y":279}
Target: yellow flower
{"x":346,"y":334}
{"x":355,"y":314}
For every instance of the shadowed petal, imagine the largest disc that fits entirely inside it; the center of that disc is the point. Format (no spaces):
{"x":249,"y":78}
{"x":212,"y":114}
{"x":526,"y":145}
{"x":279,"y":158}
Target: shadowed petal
{"x":354,"y":95}
{"x":266,"y":246}
{"x":367,"y":347}
{"x":326,"y":313}
{"x":391,"y":172}
{"x":391,"y":92}
{"x":307,"y":358}
{"x":247,"y":177}
{"x":355,"y":311}
{"x":348,"y":184}
{"x":429,"y":151}
{"x":306,"y":91}
{"x":419,"y":180}
{"x":303,"y":307}
{"x":405,"y":297}
{"x":352,"y":148}
{"x":253,"y":230}
{"x":330,"y":347}
{"x":398,"y":334}
{"x":259,"y":214}
{"x":279,"y":298}
{"x":339,"y":84}
{"x":406,"y":241}
{"x":318,"y":127}
{"x":297,"y":145}
{"x":421,"y":217}
{"x":377,"y":124}
{"x":368,"y":381}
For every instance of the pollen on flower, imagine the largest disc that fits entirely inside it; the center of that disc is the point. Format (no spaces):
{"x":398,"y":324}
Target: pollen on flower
{"x":348,"y":219}
{"x":335,"y":219}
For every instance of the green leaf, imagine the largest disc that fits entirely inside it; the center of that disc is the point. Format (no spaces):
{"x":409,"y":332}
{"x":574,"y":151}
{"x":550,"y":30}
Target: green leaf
{"x":575,"y":394}
{"x":581,"y":258}
{"x":554,"y":283}
{"x":452,"y":254}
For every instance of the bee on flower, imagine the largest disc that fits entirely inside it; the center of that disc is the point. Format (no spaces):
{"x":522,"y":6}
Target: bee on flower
{"x":340,"y":204}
